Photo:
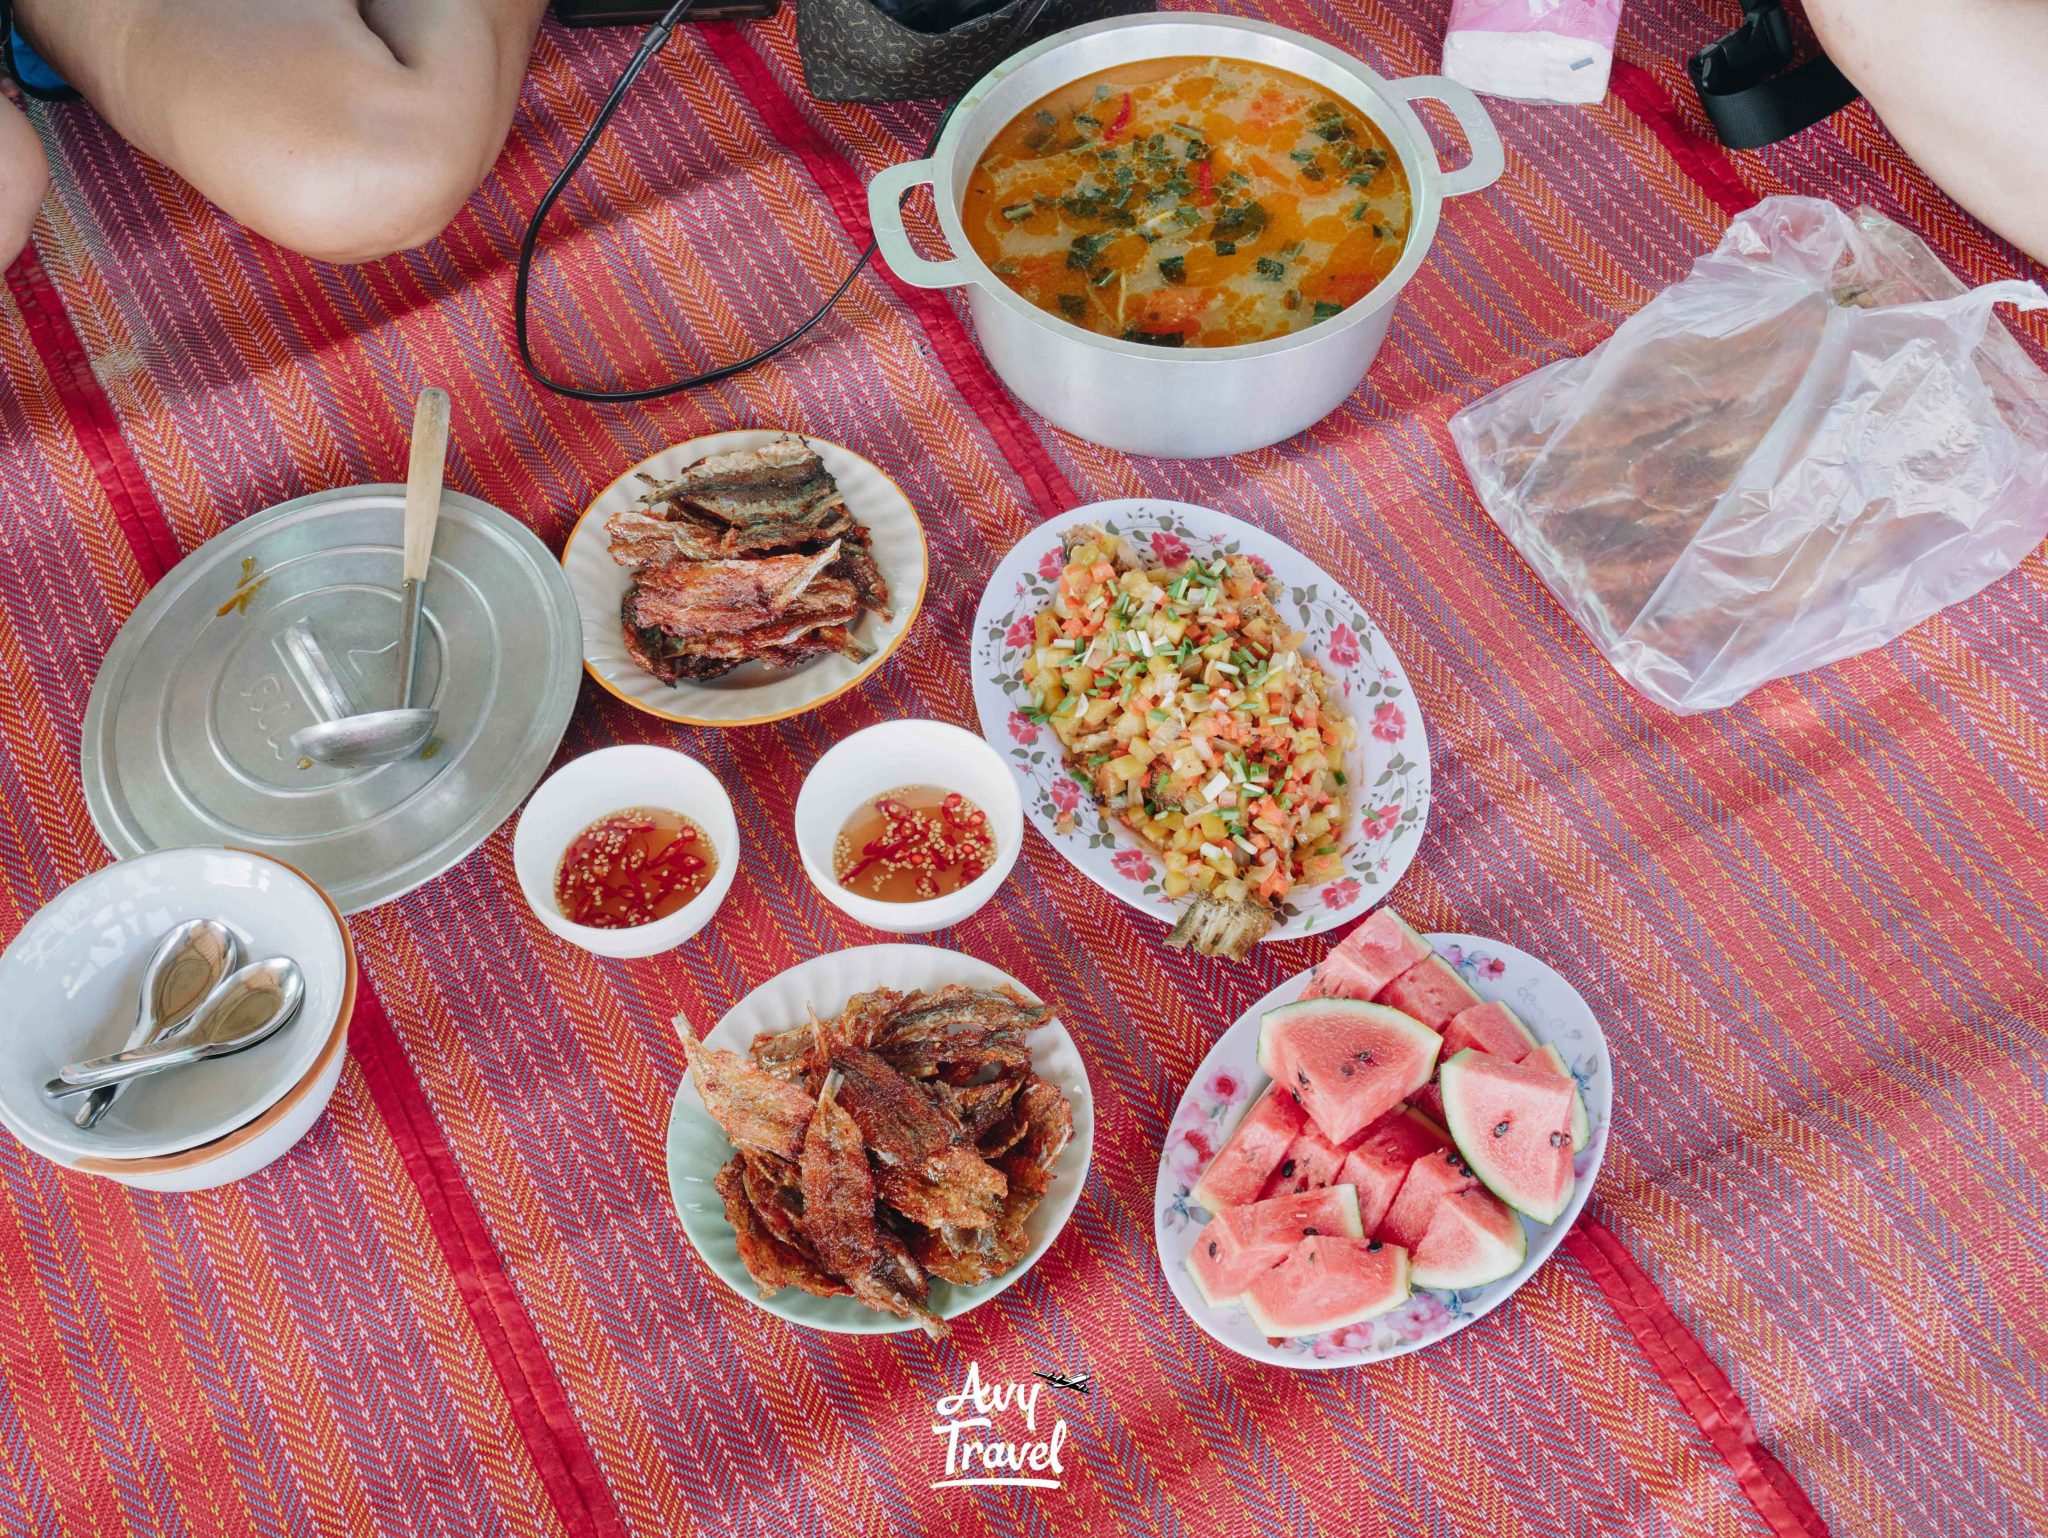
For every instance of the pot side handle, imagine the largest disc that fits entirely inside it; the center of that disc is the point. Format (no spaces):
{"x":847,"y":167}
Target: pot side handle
{"x":1488,"y":159}
{"x":886,"y":193}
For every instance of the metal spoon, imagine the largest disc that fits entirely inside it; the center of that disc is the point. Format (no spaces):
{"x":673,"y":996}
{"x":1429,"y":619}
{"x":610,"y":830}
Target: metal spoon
{"x":249,"y":1007}
{"x":380,"y":736}
{"x":187,"y":965}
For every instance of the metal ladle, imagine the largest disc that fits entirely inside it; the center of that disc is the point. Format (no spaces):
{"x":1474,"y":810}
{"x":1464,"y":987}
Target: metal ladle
{"x":186,"y":966}
{"x":251,"y":1006}
{"x":349,"y":741}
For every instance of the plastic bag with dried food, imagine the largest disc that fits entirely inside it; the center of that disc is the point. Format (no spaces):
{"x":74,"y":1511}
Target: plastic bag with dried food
{"x":1808,"y":446}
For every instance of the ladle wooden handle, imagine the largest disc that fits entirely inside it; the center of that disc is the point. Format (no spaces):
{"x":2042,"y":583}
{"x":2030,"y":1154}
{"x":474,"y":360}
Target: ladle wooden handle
{"x":423,"y":480}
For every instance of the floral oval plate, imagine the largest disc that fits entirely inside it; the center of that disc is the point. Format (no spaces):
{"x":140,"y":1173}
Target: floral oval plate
{"x":1230,"y":1079}
{"x":1388,"y":768}
{"x":751,"y":694}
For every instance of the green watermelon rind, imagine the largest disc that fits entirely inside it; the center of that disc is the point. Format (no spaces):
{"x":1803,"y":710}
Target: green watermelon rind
{"x":1511,"y":1253}
{"x":1582,"y":1124}
{"x":1477,"y":1154}
{"x":1424,"y":1040}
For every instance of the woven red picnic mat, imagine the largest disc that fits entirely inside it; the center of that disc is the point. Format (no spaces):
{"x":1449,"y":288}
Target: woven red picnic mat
{"x":1807,"y":1296}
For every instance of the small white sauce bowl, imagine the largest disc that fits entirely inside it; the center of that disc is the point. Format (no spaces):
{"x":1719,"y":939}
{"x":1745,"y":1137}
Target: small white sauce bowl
{"x":888,"y":757}
{"x":616,"y":780}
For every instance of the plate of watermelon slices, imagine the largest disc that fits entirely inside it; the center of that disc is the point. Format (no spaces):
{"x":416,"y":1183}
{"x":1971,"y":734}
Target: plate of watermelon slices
{"x":1383,"y":1149}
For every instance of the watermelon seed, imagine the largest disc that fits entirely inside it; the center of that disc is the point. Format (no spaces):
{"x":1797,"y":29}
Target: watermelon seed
{"x":1346,"y":1071}
{"x":1375,"y":1245}
{"x":1500,"y":1129}
{"x":1309,"y":1233}
{"x":1557,"y":1140}
{"x":1287,"y":1168}
{"x":1364,"y":1055}
{"x":1301,"y":1078}
{"x":1212,"y":1249}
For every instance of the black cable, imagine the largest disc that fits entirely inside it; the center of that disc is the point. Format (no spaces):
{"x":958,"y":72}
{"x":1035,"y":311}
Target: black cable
{"x":650,"y":45}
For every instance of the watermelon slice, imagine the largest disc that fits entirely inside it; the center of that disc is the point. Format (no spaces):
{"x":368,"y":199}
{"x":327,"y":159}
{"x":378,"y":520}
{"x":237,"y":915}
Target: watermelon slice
{"x":1513,"y":1124}
{"x":1547,"y":1056}
{"x":1379,"y":1161}
{"x":1473,"y":1239}
{"x":1429,"y":1180}
{"x":1326,"y":1283}
{"x":1490,"y":1027}
{"x":1431,"y":991}
{"x":1349,"y":1062}
{"x":1311,"y":1161}
{"x":1251,"y":1153}
{"x":1372,"y":955}
{"x":1429,"y":1100}
{"x":1241,"y":1244}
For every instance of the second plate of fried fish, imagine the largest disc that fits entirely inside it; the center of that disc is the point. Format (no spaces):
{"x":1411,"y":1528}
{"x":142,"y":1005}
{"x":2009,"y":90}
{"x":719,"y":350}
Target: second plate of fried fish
{"x":879,"y":1138}
{"x":744,"y":577}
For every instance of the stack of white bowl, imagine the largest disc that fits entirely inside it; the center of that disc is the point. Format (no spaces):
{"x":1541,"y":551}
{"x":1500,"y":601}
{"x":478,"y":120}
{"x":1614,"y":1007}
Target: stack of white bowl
{"x":69,"y":987}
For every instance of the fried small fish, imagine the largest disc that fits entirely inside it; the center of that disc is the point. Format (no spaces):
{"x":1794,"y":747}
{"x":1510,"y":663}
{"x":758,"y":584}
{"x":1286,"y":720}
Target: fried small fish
{"x":959,"y":1004}
{"x":772,"y":1264}
{"x":977,"y":1108}
{"x":1027,"y":1167}
{"x":839,"y":1192}
{"x":960,"y":1057}
{"x":839,"y":1215}
{"x":758,"y":1112}
{"x":919,"y":1169}
{"x":771,"y":1189}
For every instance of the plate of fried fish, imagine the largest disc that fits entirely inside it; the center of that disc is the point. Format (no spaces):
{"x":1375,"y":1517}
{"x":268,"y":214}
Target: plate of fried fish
{"x":744,"y":577}
{"x":879,"y":1138}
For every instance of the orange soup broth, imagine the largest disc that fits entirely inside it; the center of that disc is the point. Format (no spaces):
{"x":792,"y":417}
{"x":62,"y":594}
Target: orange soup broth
{"x":1190,"y":202}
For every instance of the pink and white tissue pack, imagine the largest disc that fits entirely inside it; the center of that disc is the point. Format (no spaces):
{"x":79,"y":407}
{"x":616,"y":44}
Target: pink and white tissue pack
{"x":1535,"y":50}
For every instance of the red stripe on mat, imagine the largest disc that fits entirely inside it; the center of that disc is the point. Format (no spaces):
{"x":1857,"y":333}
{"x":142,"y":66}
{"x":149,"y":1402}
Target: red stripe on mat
{"x":91,"y":414}
{"x":546,"y":1422}
{"x":1703,"y":159}
{"x":950,"y":339}
{"x":547,"y":1425}
{"x":1709,"y":1398}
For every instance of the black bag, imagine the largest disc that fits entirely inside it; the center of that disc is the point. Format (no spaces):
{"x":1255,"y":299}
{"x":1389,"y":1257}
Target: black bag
{"x":1752,"y":91}
{"x":853,"y":52}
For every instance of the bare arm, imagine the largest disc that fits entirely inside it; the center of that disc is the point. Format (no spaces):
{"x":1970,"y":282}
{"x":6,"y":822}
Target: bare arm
{"x":1963,"y":84}
{"x":341,"y":130}
{"x":24,"y":177}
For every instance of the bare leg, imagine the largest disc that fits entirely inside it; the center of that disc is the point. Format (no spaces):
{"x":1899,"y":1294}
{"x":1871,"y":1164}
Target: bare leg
{"x":1964,"y":87}
{"x":24,"y":176}
{"x":342,"y":131}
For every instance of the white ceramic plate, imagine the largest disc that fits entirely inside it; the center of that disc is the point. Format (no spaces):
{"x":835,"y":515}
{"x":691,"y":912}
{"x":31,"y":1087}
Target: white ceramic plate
{"x":1387,"y":770}
{"x":750,"y":694}
{"x":1229,"y":1080}
{"x":68,"y":987}
{"x":697,"y":1149}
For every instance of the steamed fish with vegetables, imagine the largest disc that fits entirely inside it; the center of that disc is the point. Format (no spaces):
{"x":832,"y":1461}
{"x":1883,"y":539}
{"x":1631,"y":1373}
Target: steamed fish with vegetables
{"x":1183,"y":701}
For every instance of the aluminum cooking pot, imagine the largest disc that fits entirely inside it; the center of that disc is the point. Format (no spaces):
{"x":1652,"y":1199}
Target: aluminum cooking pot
{"x":1196,"y":403}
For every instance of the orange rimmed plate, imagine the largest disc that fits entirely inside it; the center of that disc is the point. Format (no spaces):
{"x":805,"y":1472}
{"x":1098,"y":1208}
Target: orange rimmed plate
{"x":750,"y":695}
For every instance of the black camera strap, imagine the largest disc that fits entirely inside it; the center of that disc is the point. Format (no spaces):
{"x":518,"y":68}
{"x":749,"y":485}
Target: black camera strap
{"x":1750,"y":88}
{"x":651,"y":44}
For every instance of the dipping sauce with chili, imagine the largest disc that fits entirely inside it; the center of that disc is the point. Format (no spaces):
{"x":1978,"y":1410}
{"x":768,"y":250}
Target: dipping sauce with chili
{"x":913,"y":843}
{"x":633,"y":867}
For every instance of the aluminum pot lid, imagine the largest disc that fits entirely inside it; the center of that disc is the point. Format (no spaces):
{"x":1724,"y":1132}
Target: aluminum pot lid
{"x":188,"y":732}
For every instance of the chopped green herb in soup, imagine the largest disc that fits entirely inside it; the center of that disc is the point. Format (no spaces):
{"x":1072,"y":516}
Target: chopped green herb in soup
{"x":1190,"y":203}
